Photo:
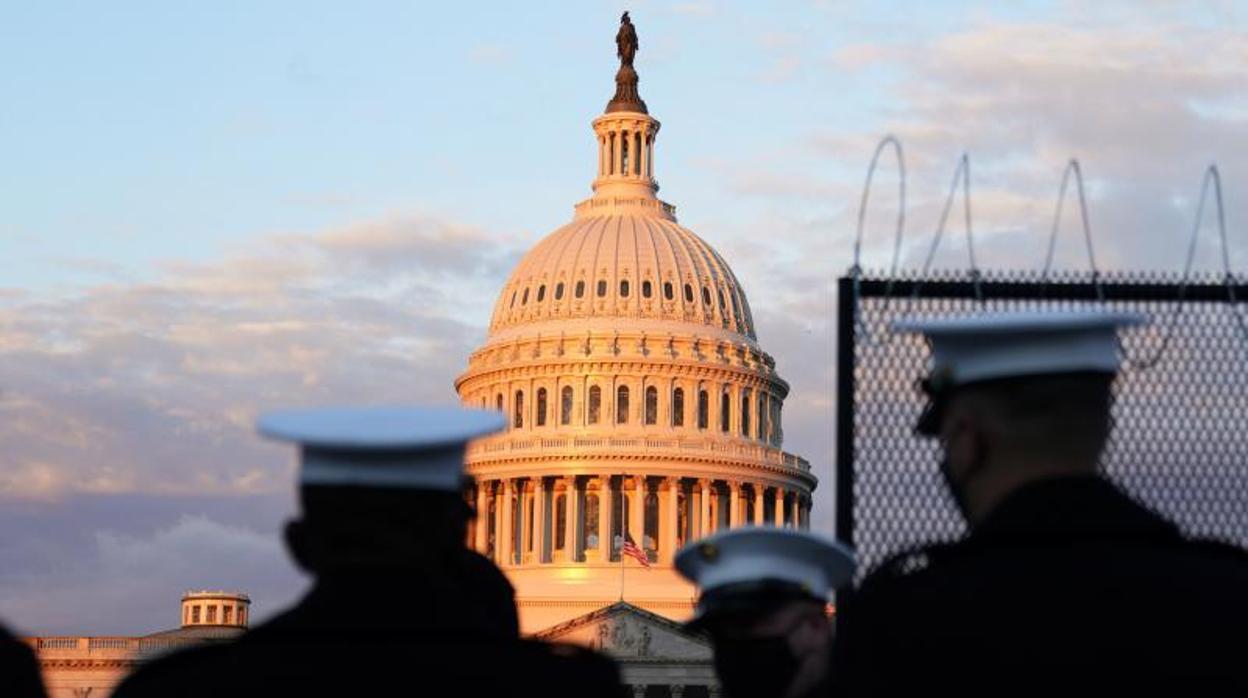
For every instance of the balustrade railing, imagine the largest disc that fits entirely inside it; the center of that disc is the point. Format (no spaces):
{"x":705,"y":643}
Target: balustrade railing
{"x":496,"y":448}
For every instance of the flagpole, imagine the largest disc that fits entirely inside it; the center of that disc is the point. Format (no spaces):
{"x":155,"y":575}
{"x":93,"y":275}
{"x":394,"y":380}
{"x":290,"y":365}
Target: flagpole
{"x":623,"y":530}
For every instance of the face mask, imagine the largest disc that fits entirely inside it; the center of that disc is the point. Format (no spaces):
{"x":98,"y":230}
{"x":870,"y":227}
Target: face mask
{"x":755,"y":666}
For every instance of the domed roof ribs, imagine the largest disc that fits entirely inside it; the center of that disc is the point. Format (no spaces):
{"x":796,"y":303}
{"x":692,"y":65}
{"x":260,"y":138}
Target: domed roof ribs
{"x":658,"y":263}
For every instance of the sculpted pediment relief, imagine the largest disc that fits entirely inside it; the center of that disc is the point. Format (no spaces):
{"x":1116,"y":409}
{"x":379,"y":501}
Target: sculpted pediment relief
{"x":628,"y":633}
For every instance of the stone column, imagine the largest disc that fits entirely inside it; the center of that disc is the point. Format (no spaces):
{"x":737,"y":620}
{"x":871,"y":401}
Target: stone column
{"x":734,"y":504}
{"x":779,"y":513}
{"x":606,"y":505}
{"x":523,"y":488}
{"x":704,"y":487}
{"x":483,"y":517}
{"x":758,"y":504}
{"x":540,"y":513}
{"x":650,"y":158}
{"x":504,"y":542}
{"x":669,"y":519}
{"x":645,"y":152}
{"x":571,"y":523}
{"x":637,"y":511}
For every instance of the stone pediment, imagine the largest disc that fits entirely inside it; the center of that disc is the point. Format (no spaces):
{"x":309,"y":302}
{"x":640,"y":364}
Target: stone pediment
{"x":631,"y":634}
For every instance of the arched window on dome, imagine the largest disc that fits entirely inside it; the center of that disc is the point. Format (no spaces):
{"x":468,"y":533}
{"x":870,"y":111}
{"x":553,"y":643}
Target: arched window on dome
{"x":524,"y":300}
{"x":513,"y":300}
{"x":621,"y":405}
{"x":688,"y":293}
{"x":746,"y":401}
{"x":580,"y":289}
{"x":595,"y":405}
{"x":722,"y":305}
{"x":559,"y":291}
{"x":541,"y":293}
{"x":667,"y":290}
{"x":565,"y":405}
{"x":647,"y":289}
{"x":736,"y":308}
{"x":498,"y":404}
{"x":602,"y":288}
{"x":652,"y":405}
{"x":706,"y":296}
{"x":678,"y":407}
{"x":518,"y":418}
{"x":623,"y":288}
{"x":725,"y":405}
{"x":611,"y":154}
{"x":704,"y":409}
{"x":540,"y":417}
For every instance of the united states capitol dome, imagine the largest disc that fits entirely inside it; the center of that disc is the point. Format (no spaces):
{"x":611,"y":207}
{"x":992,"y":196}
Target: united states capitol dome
{"x":642,"y":412}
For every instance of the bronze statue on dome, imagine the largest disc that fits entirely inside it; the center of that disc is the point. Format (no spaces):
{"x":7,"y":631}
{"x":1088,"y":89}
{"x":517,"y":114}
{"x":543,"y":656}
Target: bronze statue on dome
{"x":626,"y":41}
{"x":626,"y":97}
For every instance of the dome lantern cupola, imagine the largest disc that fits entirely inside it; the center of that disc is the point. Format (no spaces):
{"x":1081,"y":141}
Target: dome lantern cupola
{"x":625,"y":135}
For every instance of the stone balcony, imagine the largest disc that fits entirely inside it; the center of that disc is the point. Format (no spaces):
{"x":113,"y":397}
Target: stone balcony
{"x":668,"y":448}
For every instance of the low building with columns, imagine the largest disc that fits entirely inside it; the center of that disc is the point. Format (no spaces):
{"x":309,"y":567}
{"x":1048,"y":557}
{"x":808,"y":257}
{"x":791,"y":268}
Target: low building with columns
{"x":640,"y":403}
{"x":91,"y":667}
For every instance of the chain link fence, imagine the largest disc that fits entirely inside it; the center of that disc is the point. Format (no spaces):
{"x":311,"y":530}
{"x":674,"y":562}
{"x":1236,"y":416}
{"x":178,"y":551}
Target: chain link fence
{"x":1180,"y":440}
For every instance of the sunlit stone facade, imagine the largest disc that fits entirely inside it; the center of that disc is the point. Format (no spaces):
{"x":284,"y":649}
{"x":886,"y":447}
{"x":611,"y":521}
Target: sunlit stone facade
{"x":91,"y":667}
{"x":638,"y":398}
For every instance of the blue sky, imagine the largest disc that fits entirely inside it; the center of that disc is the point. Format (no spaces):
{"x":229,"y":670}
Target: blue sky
{"x":210,"y":209}
{"x":138,"y":132}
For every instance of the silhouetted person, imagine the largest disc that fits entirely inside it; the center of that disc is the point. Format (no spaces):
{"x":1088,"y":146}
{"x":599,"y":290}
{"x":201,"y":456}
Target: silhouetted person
{"x":400,"y":606}
{"x":19,"y":670}
{"x":1064,"y":585}
{"x":764,"y":607}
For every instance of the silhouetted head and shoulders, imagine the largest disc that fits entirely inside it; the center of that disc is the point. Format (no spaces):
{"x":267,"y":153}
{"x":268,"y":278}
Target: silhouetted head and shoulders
{"x":398,"y":600}
{"x":1062,"y":574}
{"x":19,"y":670}
{"x":763,"y":604}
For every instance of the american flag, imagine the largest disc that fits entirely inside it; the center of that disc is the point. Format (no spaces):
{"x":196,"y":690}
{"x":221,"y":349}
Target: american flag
{"x":630,"y":549}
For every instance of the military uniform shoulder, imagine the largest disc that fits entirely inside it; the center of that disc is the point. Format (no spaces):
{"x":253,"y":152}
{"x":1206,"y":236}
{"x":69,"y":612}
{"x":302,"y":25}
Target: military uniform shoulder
{"x":182,"y":672}
{"x":1219,"y":549}
{"x":912,"y":561}
{"x":596,"y":673}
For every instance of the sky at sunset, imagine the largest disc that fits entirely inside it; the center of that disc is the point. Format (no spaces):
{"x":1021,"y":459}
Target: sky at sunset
{"x":212,"y":209}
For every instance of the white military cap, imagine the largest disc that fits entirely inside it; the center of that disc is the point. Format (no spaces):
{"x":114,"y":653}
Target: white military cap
{"x":992,"y":346}
{"x":742,"y":566}
{"x":385,"y":447}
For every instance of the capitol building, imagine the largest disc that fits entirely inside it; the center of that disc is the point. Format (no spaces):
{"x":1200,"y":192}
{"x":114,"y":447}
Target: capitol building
{"x":641,"y":405}
{"x":643,"y":414}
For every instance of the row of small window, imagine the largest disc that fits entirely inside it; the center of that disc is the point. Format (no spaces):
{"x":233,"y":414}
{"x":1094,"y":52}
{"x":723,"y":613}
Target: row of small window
{"x":650,"y":415}
{"x":192,"y":615}
{"x":647,"y":291}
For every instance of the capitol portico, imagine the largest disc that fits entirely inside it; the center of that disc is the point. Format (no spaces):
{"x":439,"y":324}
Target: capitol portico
{"x":640,"y":403}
